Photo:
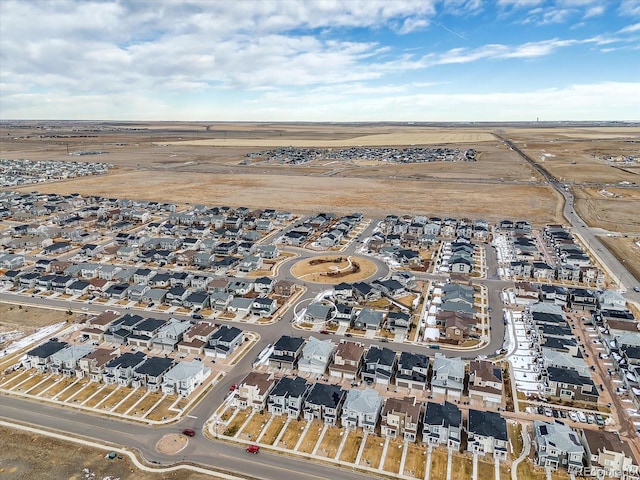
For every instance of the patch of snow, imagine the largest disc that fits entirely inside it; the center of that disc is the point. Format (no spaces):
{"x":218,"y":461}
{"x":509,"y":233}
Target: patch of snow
{"x":33,"y":338}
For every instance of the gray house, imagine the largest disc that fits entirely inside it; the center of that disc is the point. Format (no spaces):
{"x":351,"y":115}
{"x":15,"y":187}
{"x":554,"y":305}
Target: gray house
{"x":287,"y":397}
{"x":442,"y":425}
{"x":361,"y":408}
{"x":379,"y":365}
{"x":557,"y":445}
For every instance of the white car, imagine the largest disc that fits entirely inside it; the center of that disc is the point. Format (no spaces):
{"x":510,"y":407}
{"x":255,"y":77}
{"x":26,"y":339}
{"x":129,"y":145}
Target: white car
{"x":582,"y":417}
{"x":573,"y":416}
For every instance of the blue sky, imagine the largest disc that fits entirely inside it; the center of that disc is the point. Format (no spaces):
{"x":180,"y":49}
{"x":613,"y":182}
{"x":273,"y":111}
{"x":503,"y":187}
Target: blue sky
{"x":317,"y":60}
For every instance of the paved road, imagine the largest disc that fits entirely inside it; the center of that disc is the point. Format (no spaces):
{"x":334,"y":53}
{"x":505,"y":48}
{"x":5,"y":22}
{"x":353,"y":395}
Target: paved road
{"x":223,"y":456}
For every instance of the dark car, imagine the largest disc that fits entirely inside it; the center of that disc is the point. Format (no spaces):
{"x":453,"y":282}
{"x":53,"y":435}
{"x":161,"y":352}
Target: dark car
{"x":197,"y":316}
{"x":555,"y":414}
{"x":189,"y":432}
{"x":348,"y":335}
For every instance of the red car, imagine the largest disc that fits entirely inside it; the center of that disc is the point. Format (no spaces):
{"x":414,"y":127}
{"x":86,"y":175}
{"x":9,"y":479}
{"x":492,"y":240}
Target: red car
{"x":253,"y":449}
{"x":233,"y":387}
{"x":189,"y":432}
{"x":325,"y":332}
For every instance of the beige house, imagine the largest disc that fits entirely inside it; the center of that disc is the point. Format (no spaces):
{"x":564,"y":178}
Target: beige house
{"x":254,"y":390}
{"x":485,"y":382}
{"x":347,"y":360}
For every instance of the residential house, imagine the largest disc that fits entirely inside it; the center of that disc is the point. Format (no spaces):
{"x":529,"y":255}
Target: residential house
{"x":379,"y":365}
{"x":448,"y":376}
{"x":286,"y":352}
{"x":400,"y":418}
{"x":487,"y":433}
{"x":93,"y":364}
{"x":317,"y":313}
{"x":485,"y":382}
{"x":170,"y":335}
{"x":144,"y":332}
{"x":263,"y":285}
{"x":66,"y":360}
{"x":195,"y":339}
{"x":368,"y":319}
{"x":361,"y":408}
{"x":442,"y":425}
{"x":151,"y":372}
{"x":184,"y":378}
{"x":608,"y":455}
{"x":347,"y":360}
{"x":264,"y":306}
{"x":568,"y":384}
{"x":344,"y":315}
{"x":557,"y":446}
{"x":324,"y":402}
{"x":316,"y":355}
{"x":120,"y":370}
{"x":224,"y":342}
{"x":288,"y":396}
{"x":412,"y":370}
{"x":254,"y":391}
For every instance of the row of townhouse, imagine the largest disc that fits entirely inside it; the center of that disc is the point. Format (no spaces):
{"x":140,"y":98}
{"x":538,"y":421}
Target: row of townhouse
{"x":420,"y":225}
{"x":164,"y":335}
{"x":383,"y":366}
{"x":129,"y":369}
{"x":405,"y":418}
{"x":559,"y":362}
{"x":338,"y":230}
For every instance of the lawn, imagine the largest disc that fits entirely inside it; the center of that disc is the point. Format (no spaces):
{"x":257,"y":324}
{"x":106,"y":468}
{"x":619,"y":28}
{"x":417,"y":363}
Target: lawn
{"x":486,"y":469}
{"x":274,"y":429}
{"x":311,"y":438}
{"x":14,"y":378}
{"x":415,"y":462}
{"x":254,"y":427}
{"x":39,"y":386}
{"x":235,"y":424}
{"x":148,"y":402}
{"x":515,"y":435}
{"x":131,"y":401}
{"x":80,"y":384}
{"x":161,"y":412}
{"x":462,"y":466}
{"x":116,"y":398}
{"x":331,"y":442}
{"x":82,"y":395}
{"x":439,"y":463}
{"x":60,"y":386}
{"x":372,"y":453}
{"x":100,"y":396}
{"x":292,"y":434}
{"x":394,"y":456}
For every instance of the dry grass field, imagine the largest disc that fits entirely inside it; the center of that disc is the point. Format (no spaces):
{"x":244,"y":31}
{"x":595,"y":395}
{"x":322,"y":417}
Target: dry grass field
{"x":352,"y":445}
{"x":234,"y":425}
{"x":29,"y":319}
{"x":68,"y":394}
{"x":439,"y":463}
{"x":253,"y":428}
{"x":274,"y":429}
{"x":161,"y":411}
{"x":330,"y":442}
{"x":372,"y":453}
{"x":59,"y":386}
{"x":616,"y":210}
{"x":625,"y":250}
{"x":28,"y":456}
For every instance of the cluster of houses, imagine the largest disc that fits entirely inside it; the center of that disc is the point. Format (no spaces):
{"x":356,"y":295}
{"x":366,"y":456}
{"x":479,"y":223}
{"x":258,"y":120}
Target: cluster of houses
{"x":378,"y":365}
{"x":453,"y":311}
{"x":295,"y":156}
{"x":15,"y":172}
{"x":128,"y":369}
{"x":404,"y":418}
{"x":324,"y":230}
{"x":184,"y":337}
{"x":619,"y":332}
{"x":558,"y":363}
{"x":572,"y":264}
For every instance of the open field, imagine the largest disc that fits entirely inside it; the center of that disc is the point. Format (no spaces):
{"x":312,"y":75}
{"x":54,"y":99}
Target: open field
{"x":29,"y":319}
{"x":59,"y":386}
{"x":439,"y":463}
{"x":234,"y":425}
{"x":372,"y":196}
{"x":29,"y":456}
{"x":73,"y":390}
{"x":161,"y":411}
{"x":626,"y":251}
{"x":253,"y":428}
{"x":613,"y":209}
{"x":406,"y":136}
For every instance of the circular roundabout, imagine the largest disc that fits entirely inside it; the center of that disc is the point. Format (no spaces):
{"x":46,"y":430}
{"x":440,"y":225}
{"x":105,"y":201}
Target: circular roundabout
{"x":334,"y":269}
{"x":171,"y":443}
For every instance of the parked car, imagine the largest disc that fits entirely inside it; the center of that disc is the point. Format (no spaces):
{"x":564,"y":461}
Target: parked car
{"x":563,"y":414}
{"x":540,"y":409}
{"x":253,"y":449}
{"x":548,"y":412}
{"x":189,"y":432}
{"x":591,"y":419}
{"x":574,"y":416}
{"x":599,"y":420}
{"x":197,"y":316}
{"x":555,"y":414}
{"x":325,"y":332}
{"x":582,"y":417}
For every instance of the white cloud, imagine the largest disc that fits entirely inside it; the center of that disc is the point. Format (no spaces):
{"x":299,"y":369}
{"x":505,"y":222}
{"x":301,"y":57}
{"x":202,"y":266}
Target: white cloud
{"x":630,"y":7}
{"x":594,"y":11}
{"x":630,"y":28}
